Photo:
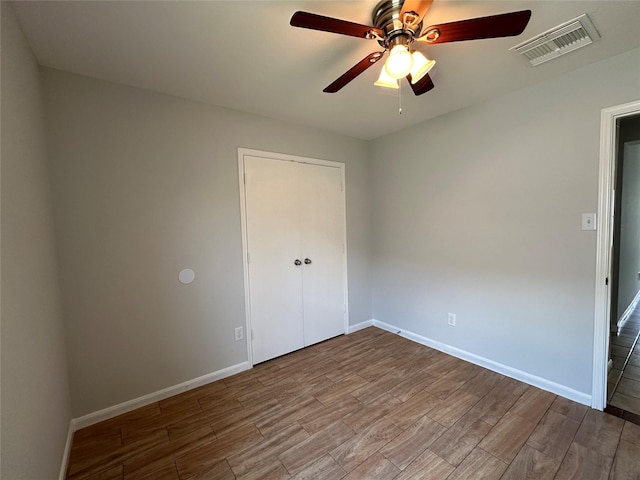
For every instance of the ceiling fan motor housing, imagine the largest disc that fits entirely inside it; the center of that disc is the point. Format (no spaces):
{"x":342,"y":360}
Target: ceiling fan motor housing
{"x":397,"y":31}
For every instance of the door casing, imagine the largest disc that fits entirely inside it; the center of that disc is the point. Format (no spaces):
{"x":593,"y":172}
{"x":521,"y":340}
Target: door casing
{"x":608,"y":119}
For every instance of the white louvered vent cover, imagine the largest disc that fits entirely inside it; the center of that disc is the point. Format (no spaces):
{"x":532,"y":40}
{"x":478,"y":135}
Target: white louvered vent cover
{"x":565,"y":38}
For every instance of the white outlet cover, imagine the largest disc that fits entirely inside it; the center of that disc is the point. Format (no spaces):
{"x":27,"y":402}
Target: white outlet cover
{"x":186,"y":276}
{"x":238,"y":333}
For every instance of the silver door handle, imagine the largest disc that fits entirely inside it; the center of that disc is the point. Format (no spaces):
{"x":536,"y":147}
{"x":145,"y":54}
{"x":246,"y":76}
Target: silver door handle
{"x":297,"y":262}
{"x":307,"y":261}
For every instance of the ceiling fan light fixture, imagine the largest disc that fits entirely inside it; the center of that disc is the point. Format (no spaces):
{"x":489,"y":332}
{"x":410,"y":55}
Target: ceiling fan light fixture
{"x":386,"y":80}
{"x":421,"y":66}
{"x":399,"y":63}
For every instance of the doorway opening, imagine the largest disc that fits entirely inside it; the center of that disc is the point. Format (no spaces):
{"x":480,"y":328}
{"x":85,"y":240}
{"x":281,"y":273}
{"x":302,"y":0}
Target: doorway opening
{"x":623,"y":380}
{"x":608,"y":259}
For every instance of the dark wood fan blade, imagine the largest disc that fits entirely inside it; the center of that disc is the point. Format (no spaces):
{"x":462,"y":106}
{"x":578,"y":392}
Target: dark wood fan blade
{"x":421,"y":86}
{"x":419,"y":7}
{"x":333,"y":25}
{"x":504,"y":25}
{"x":353,"y":72}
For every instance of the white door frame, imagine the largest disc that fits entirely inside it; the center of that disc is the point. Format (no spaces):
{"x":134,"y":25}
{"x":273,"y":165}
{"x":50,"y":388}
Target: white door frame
{"x":608,"y":119}
{"x":242,"y":152}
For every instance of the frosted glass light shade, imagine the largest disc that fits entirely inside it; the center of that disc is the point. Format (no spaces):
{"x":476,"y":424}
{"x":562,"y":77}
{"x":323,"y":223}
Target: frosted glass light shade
{"x":421,"y":66}
{"x":386,"y":80}
{"x":399,"y":63}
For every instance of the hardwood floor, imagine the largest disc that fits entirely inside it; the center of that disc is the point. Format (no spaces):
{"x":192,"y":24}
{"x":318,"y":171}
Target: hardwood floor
{"x":370,"y":405}
{"x":623,"y":382}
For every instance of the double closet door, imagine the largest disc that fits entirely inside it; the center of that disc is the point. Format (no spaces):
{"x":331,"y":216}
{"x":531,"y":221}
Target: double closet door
{"x":295,"y":234}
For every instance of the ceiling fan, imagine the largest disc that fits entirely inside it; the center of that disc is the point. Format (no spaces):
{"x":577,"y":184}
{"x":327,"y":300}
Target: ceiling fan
{"x":397,"y":26}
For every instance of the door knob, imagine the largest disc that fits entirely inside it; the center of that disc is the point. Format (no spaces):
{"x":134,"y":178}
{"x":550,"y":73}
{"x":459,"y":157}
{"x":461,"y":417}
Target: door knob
{"x":307,"y":261}
{"x":297,"y":262}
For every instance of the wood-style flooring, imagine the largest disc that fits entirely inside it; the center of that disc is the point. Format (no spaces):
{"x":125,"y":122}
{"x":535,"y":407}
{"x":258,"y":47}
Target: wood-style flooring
{"x":623,"y":385}
{"x":369,"y":405}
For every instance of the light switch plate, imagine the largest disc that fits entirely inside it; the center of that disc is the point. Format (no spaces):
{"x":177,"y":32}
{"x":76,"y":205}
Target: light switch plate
{"x":588,"y":221}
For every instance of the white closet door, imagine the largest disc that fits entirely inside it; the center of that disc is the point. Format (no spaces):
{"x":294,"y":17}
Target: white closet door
{"x":273,"y":241}
{"x":322,"y":243}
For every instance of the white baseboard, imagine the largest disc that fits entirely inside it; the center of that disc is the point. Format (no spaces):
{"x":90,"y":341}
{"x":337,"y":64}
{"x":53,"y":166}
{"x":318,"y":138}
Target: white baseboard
{"x":627,"y":313}
{"x":110,"y":412}
{"x":114,"y":411}
{"x":66,"y":452}
{"x":525,"y":377}
{"x":360,"y":326}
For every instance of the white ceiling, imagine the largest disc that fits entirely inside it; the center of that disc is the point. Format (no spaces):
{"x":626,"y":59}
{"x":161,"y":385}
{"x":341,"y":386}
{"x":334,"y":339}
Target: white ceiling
{"x":244,"y":55}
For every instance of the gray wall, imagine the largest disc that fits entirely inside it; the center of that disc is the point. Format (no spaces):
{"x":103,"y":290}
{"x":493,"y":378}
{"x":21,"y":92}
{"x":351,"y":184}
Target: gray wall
{"x":478,"y":213}
{"x":145,"y":185}
{"x":36,"y":409}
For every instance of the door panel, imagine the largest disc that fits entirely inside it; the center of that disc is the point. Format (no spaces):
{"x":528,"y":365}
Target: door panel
{"x":322,"y":239}
{"x":293,"y":210}
{"x":273,"y":240}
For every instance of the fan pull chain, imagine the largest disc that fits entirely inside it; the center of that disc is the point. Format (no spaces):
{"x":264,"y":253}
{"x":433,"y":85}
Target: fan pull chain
{"x":400,"y":99}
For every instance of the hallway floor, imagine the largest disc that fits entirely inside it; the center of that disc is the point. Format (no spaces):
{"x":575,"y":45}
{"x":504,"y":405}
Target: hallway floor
{"x":623,"y":386}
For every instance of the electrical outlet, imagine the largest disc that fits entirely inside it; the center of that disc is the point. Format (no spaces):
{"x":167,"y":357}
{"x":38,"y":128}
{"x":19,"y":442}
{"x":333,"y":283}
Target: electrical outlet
{"x":239,"y":333}
{"x":451,"y":319}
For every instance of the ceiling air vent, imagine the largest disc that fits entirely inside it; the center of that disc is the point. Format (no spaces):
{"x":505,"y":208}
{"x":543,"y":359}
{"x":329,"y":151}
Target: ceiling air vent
{"x":565,"y":38}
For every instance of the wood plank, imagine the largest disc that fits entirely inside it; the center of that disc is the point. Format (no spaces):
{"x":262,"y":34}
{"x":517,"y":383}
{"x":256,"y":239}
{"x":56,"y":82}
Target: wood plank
{"x":272,"y":470}
{"x":372,"y":390}
{"x":363,"y":418}
{"x":453,"y":408}
{"x":112,"y":457}
{"x":554,"y":434}
{"x":407,"y":413}
{"x":338,"y":390}
{"x":407,"y":446}
{"x":225,"y":421}
{"x":115,"y":473}
{"x":479,"y":465}
{"x":358,"y":448}
{"x":319,"y":419}
{"x":585,"y":464}
{"x":569,"y":408}
{"x":423,"y":414}
{"x":241,"y":463}
{"x":428,"y":466}
{"x":600,"y":432}
{"x":493,"y":405}
{"x":631,"y":433}
{"x":533,"y":404}
{"x":531,"y":464}
{"x":277,"y":419}
{"x":316,"y":446}
{"x":626,"y":464}
{"x":625,"y":402}
{"x":325,"y":468}
{"x":412,"y":385}
{"x":195,"y":460}
{"x":483,"y":383}
{"x":376,"y":466}
{"x":508,"y":436}
{"x":457,"y":442}
{"x":167,"y":473}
